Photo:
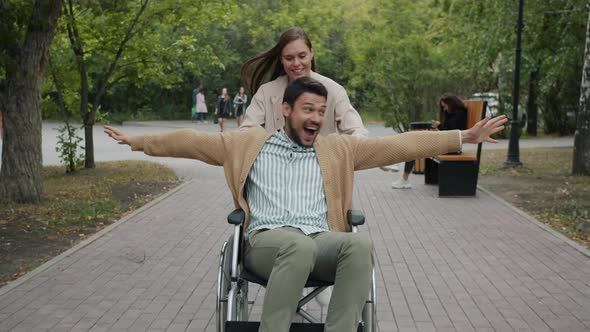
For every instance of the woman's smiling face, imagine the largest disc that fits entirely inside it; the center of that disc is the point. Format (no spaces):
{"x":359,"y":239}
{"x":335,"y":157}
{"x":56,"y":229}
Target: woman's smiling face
{"x":296,"y":59}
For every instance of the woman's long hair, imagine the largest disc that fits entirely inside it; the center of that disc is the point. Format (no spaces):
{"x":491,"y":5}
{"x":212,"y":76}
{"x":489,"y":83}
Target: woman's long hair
{"x":453,"y":102}
{"x":267,"y":66}
{"x":226,"y":96}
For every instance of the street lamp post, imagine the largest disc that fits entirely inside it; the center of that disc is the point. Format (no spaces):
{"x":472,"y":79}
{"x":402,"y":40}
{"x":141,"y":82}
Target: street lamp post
{"x":513,"y":149}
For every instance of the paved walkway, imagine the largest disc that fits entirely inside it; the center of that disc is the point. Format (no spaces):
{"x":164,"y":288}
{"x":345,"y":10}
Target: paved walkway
{"x":443,"y":264}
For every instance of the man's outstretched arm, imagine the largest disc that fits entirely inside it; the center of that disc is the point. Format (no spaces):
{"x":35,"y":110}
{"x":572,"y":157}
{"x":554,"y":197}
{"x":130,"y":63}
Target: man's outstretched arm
{"x":117,"y":135}
{"x":184,"y":143}
{"x":483,"y":130}
{"x":379,"y":151}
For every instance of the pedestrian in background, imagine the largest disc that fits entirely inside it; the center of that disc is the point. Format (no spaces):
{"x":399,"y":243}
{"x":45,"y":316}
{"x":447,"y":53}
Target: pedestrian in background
{"x":240,"y":101}
{"x":223,"y":109}
{"x":201,"y":106}
{"x":194,"y":106}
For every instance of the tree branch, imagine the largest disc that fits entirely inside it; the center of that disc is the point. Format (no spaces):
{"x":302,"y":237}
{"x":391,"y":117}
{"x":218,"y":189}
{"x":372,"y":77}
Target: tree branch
{"x":103,"y":82}
{"x":77,"y":48}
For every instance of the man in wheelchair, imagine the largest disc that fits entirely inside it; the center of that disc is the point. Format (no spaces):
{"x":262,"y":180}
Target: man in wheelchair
{"x":295,"y":188}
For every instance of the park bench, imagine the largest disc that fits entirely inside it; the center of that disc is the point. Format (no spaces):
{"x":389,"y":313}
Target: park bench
{"x":456,"y":174}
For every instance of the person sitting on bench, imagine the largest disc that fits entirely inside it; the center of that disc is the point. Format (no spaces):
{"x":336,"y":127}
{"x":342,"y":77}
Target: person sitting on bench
{"x":453,"y":115}
{"x":295,"y":188}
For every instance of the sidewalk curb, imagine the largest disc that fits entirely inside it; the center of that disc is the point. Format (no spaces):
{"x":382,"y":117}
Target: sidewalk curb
{"x":14,"y":284}
{"x":528,"y":217}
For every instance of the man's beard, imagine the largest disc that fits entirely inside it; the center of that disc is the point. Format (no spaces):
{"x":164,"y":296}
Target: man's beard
{"x":295,"y":135}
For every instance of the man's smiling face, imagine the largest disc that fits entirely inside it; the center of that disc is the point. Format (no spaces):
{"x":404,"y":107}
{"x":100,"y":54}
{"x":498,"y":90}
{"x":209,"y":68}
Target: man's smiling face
{"x":304,"y":120}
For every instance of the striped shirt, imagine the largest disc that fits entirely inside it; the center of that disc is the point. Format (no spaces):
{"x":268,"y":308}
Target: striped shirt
{"x":285,"y":188}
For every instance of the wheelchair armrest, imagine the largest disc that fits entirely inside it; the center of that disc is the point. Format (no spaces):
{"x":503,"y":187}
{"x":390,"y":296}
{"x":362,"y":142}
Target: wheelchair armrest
{"x":236,"y":217}
{"x":355,"y":217}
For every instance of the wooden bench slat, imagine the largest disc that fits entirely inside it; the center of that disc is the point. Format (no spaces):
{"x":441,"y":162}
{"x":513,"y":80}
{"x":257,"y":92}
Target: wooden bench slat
{"x":457,"y":157}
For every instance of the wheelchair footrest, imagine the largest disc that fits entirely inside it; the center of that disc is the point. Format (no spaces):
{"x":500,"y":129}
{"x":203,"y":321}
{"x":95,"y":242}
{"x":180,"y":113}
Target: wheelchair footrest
{"x":237,"y":326}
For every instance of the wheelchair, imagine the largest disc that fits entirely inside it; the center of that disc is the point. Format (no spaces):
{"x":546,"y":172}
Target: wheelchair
{"x":232,"y":287}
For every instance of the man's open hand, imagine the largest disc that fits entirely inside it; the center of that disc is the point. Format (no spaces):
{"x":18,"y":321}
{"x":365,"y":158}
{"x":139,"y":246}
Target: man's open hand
{"x":117,"y":135}
{"x":482,"y":130}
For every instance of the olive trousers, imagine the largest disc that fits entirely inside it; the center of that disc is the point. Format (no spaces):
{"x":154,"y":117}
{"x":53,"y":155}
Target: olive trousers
{"x":286,"y":257}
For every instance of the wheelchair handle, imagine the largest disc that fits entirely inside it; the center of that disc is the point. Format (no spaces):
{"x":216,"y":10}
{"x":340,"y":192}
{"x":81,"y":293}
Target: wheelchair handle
{"x":355,"y":217}
{"x":236,"y":217}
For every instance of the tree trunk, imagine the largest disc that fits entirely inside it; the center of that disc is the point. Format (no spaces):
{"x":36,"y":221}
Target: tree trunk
{"x":581,"y":163}
{"x":89,"y":145}
{"x":21,"y":175}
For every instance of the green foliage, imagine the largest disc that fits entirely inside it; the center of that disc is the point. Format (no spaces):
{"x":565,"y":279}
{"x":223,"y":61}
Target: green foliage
{"x":552,"y":44}
{"x":395,"y":57}
{"x":165,"y":57}
{"x":396,"y":70}
{"x":68,"y":146}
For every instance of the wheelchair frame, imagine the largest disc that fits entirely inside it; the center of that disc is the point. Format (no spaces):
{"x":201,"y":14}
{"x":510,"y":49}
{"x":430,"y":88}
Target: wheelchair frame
{"x":232,"y":286}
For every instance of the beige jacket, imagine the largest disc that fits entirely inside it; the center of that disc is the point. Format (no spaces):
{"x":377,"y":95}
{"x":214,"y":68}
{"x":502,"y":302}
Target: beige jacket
{"x":338,"y":155}
{"x":265,"y":108}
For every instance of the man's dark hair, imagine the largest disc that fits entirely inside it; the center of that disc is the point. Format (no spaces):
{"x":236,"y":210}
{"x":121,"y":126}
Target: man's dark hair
{"x":302,"y":85}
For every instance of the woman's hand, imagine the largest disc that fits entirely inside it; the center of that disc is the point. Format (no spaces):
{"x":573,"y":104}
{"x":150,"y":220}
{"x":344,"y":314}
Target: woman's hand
{"x":117,"y":135}
{"x":435,"y":124}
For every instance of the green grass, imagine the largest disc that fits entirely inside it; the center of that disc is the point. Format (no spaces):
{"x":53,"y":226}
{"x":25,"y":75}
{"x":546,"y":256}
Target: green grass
{"x":544,"y":187}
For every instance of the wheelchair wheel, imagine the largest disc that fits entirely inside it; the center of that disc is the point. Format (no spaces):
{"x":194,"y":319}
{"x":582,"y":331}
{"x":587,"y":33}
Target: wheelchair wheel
{"x":224,"y":285}
{"x":369,"y":315}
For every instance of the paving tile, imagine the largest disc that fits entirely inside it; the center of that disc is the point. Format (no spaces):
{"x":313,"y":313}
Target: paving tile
{"x":160,"y":323}
{"x":197,"y":325}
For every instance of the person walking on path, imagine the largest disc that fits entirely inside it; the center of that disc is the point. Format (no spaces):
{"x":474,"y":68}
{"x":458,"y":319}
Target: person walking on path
{"x":295,"y":188}
{"x":201,"y":106}
{"x":240,"y":101}
{"x":454,"y":116}
{"x":223,"y":109}
{"x":194,"y":107}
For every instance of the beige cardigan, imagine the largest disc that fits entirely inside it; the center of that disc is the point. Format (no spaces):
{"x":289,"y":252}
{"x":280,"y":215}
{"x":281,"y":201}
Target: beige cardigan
{"x":338,"y":155}
{"x":266,"y":108}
